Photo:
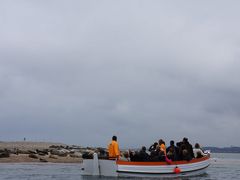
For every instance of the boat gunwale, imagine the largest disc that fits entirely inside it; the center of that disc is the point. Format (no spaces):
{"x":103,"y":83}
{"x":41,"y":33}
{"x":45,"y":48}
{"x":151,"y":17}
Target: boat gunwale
{"x":133,"y":163}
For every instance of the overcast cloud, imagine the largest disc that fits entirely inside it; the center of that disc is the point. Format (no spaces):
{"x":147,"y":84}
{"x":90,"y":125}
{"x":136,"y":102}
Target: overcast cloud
{"x":80,"y":71}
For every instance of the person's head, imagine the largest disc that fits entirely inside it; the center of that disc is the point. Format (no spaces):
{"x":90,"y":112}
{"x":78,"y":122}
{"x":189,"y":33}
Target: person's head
{"x":171,"y":143}
{"x":185,"y":140}
{"x":197,"y":146}
{"x":130,"y":152}
{"x":144,"y":148}
{"x":160,"y":141}
{"x":155,"y":144}
{"x":126,"y":154}
{"x":114,"y":138}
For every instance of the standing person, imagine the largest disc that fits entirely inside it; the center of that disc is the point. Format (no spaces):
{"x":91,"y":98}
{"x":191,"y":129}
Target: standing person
{"x":113,"y":149}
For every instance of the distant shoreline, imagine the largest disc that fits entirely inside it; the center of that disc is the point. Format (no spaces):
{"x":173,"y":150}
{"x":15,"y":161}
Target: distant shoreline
{"x":223,"y":150}
{"x":36,"y":152}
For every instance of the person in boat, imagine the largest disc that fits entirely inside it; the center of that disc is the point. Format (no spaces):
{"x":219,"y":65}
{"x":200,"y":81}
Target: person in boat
{"x":134,"y":156}
{"x":161,"y":151}
{"x":154,"y":154}
{"x":171,"y":154}
{"x":139,"y":156}
{"x":113,"y":149}
{"x":172,"y":151}
{"x":143,"y":155}
{"x":189,"y":147}
{"x":162,"y":146}
{"x":161,"y":155}
{"x":184,"y":153}
{"x":153,"y":147}
{"x":185,"y":150}
{"x":125,"y":156}
{"x":198,"y":152}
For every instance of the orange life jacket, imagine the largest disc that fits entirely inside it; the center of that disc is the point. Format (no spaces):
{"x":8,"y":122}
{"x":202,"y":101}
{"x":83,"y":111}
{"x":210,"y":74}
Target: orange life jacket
{"x":113,"y":150}
{"x":163,"y":148}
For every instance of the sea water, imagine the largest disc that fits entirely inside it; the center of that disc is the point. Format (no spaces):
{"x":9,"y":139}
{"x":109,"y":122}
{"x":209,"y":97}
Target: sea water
{"x":223,"y":166}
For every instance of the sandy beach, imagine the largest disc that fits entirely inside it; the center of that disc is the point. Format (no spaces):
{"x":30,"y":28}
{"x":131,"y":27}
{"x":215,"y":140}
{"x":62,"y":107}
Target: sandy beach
{"x":20,"y":152}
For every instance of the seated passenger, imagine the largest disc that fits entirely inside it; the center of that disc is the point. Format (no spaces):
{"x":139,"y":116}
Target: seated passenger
{"x":184,"y":153}
{"x":198,"y":152}
{"x":171,"y":154}
{"x":188,"y":147}
{"x":133,"y":156}
{"x":162,"y":146}
{"x":172,"y":151}
{"x":188,"y":153}
{"x":161,"y":155}
{"x":153,"y":147}
{"x":125,"y":156}
{"x":143,"y":155}
{"x":154,"y":155}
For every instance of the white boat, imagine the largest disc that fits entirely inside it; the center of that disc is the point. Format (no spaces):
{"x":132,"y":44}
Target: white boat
{"x":119,"y":168}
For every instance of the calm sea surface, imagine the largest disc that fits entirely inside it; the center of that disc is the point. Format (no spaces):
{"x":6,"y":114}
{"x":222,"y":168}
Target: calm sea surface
{"x":223,"y":166}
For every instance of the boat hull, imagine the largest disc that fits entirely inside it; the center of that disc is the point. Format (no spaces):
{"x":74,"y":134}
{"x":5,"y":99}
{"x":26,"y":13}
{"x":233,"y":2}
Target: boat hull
{"x":163,"y":175}
{"x":144,"y":169}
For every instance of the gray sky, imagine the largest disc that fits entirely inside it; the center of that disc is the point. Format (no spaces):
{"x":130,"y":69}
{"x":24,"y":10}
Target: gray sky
{"x":80,"y":71}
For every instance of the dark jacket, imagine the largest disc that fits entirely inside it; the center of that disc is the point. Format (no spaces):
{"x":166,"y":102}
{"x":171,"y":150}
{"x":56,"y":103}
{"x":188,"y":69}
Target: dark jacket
{"x":175,"y":155}
{"x":143,"y":156}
